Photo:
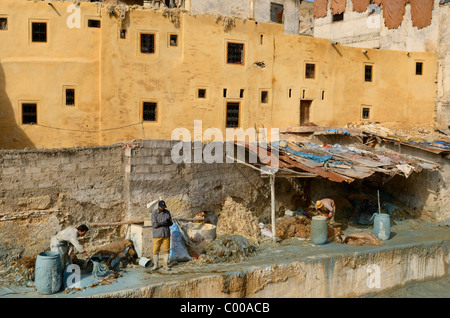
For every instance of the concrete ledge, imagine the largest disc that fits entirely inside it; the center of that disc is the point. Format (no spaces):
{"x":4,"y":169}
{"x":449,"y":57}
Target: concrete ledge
{"x":301,"y":270}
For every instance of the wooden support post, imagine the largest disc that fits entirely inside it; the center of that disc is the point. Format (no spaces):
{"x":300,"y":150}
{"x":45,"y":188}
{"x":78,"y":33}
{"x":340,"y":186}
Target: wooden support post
{"x":272,"y":195}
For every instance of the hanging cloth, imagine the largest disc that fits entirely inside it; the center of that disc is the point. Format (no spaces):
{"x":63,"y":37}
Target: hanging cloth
{"x":421,"y":12}
{"x":337,"y":6}
{"x":393,"y":12}
{"x":360,"y":5}
{"x":320,"y":8}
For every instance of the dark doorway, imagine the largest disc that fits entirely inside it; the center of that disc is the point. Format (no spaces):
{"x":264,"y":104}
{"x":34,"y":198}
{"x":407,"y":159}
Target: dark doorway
{"x":305,"y":106}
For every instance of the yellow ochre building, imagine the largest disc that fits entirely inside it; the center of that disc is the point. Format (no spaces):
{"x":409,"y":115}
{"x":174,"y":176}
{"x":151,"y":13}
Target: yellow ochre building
{"x":78,"y":74}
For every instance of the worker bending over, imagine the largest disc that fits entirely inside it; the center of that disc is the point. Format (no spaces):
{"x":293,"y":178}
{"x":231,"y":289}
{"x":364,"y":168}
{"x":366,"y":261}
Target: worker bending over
{"x":161,"y":221}
{"x":60,"y":242}
{"x":327,"y":208}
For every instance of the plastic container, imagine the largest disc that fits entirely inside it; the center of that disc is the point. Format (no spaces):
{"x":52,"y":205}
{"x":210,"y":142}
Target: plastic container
{"x":382,"y":226}
{"x":145,"y":262}
{"x":48,"y":273}
{"x":319,"y":230}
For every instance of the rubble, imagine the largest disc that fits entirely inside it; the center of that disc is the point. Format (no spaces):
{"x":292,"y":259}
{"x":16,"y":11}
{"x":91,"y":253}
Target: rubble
{"x":227,"y":248}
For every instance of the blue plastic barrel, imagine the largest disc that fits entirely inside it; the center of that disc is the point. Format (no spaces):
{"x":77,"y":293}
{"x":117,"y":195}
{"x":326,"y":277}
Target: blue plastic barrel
{"x":48,"y":273}
{"x":319,"y":230}
{"x":382,"y":226}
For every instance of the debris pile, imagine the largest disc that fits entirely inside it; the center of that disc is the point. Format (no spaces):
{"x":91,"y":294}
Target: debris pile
{"x":236,"y":219}
{"x":21,"y":272}
{"x":227,"y":248}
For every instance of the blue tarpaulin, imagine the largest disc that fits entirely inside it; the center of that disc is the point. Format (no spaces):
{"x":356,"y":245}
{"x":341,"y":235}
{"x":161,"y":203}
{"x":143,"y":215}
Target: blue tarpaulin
{"x":305,"y":155}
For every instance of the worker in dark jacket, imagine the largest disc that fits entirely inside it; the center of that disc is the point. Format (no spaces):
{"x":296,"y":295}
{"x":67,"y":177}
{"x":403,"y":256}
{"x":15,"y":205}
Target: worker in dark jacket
{"x":161,"y":220}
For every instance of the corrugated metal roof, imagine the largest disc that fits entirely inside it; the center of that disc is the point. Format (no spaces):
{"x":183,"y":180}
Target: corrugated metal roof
{"x":337,"y":163}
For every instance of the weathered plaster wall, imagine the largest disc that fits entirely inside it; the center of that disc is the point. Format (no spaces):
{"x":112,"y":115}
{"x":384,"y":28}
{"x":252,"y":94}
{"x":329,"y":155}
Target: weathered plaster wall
{"x":113,"y":78}
{"x":44,"y":191}
{"x":38,"y":72}
{"x":443,"y":76}
{"x":361,"y":30}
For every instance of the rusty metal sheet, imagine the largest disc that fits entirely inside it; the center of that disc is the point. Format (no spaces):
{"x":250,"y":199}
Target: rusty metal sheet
{"x":317,"y":170}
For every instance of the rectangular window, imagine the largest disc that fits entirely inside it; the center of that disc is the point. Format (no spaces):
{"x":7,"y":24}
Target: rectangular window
{"x":123,"y":34}
{"x":235,"y":53}
{"x":290,"y":92}
{"x":147,"y":43}
{"x":276,"y":12}
{"x":3,"y":23}
{"x":39,"y":32}
{"x":241,"y":93}
{"x":419,"y":68}
{"x":323,"y":95}
{"x":365,"y":113}
{"x":201,"y":93}
{"x":264,"y":97}
{"x":173,"y":40}
{"x":368,"y":73}
{"x":29,"y":113}
{"x":303,"y":93}
{"x":224,"y":92}
{"x":310,"y":70}
{"x":232,"y":115}
{"x":70,"y":97}
{"x":93,"y":23}
{"x":338,"y":17}
{"x":149,"y":111}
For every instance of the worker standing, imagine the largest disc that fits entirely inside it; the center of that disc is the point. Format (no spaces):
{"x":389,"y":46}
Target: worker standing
{"x":327,"y":208}
{"x":60,"y":242}
{"x":161,"y":221}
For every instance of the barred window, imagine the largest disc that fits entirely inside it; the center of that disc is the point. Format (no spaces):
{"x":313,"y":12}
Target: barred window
{"x":3,"y":23}
{"x":29,"y":113}
{"x":235,"y":53}
{"x":70,"y":97}
{"x":310,"y":70}
{"x":232,"y":115}
{"x":93,"y":23}
{"x":368,"y":73}
{"x":147,"y":43}
{"x":39,"y":32}
{"x":149,"y":111}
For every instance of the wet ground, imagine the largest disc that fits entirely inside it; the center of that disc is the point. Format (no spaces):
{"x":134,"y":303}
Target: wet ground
{"x":402,"y":234}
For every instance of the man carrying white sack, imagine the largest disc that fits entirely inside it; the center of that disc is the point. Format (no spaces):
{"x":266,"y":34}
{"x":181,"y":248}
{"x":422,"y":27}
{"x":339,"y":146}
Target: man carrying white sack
{"x":60,"y":242}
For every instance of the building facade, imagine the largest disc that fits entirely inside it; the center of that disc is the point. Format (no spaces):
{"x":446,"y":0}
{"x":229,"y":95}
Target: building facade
{"x":413,"y":26}
{"x":90,"y":74}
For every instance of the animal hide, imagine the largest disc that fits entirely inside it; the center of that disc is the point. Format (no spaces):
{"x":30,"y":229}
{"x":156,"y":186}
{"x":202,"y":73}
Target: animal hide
{"x":421,"y":12}
{"x":320,"y":8}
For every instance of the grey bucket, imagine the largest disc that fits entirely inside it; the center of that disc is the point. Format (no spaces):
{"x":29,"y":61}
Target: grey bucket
{"x":319,"y":230}
{"x":48,"y":273}
{"x":382,"y":226}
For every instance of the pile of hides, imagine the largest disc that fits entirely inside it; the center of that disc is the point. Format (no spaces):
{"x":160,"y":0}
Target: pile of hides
{"x":113,"y":256}
{"x":297,"y":226}
{"x":361,"y":238}
{"x":228,"y":248}
{"x":21,"y":272}
{"x":300,"y":226}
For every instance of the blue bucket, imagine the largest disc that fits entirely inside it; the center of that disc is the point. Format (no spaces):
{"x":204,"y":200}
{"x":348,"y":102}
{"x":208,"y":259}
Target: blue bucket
{"x":48,"y":273}
{"x":382,"y":226}
{"x":319,"y":230}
